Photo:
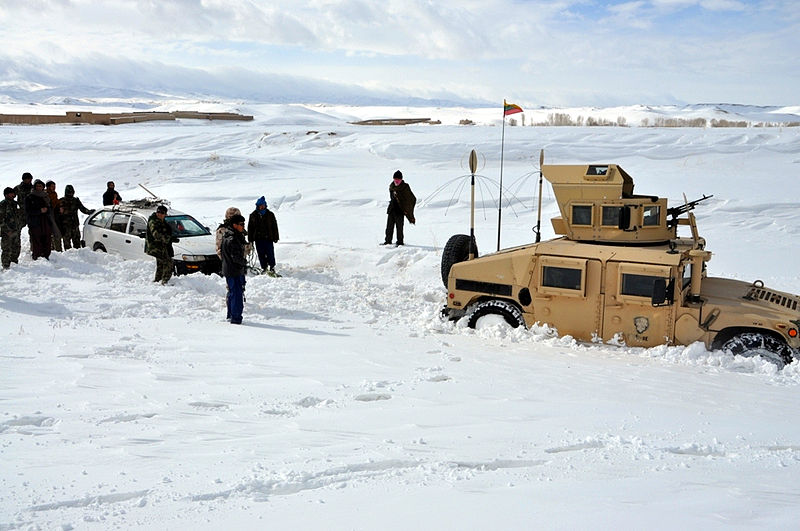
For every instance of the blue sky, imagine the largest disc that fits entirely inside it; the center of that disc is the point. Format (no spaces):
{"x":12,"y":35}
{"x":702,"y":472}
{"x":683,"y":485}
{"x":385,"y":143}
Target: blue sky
{"x":554,"y":53}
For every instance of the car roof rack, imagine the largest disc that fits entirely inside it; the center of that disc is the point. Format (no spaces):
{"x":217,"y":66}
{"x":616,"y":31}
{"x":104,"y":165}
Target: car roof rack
{"x":147,"y":202}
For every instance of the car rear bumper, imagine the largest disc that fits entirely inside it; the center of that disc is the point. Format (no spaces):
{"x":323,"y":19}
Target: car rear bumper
{"x":208,"y":266}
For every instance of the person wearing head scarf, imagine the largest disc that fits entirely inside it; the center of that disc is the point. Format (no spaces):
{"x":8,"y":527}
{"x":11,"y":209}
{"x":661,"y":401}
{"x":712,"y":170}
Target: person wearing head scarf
{"x":262,"y":228}
{"x":38,"y":212}
{"x":229,"y":213}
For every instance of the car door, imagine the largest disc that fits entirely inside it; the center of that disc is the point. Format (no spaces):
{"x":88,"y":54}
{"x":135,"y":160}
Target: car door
{"x":629,"y":312}
{"x":113,"y":238}
{"x":567,"y":295}
{"x":137,"y":231}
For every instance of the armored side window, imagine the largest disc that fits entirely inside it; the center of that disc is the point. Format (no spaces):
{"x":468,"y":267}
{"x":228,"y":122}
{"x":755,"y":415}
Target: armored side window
{"x":651,"y":216}
{"x":581,"y":214}
{"x":638,"y":285}
{"x":561,"y":277}
{"x":611,"y":216}
{"x":119,"y":222}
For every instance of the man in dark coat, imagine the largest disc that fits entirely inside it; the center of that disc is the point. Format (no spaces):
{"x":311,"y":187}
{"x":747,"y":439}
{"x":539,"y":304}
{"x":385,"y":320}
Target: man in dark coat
{"x":158,"y":244}
{"x":111,"y":196}
{"x":37,"y":210}
{"x":234,"y":266}
{"x":23,"y":190}
{"x":70,"y":224}
{"x":11,"y":223}
{"x":262,"y":228}
{"x":401,"y":206}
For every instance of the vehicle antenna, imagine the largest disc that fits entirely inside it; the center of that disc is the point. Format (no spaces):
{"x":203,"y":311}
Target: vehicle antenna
{"x":539,"y":212}
{"x":148,"y":191}
{"x":473,"y":167}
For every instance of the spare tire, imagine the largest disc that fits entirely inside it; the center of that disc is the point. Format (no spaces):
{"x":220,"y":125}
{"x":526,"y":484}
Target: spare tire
{"x":456,"y":250}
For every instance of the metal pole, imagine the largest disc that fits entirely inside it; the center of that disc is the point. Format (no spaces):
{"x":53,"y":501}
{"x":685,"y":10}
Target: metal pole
{"x":500,"y":196}
{"x":473,"y":166}
{"x":539,"y":213}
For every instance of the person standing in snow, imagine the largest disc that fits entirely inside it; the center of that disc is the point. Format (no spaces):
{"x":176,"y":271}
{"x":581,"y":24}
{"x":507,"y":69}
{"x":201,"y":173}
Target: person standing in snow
{"x":234,"y":266}
{"x":24,"y":189}
{"x":158,"y":244}
{"x":262,"y":228}
{"x":226,"y":223}
{"x":401,"y":206}
{"x":11,"y":223}
{"x":70,"y":225}
{"x":37,"y":210}
{"x":55,"y":216}
{"x":111,"y":196}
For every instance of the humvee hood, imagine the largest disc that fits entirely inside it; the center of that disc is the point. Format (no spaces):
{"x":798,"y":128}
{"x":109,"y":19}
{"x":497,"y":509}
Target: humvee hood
{"x":728,"y":292}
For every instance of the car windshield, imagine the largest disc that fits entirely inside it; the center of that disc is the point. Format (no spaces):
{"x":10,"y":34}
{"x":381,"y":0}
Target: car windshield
{"x":184,"y":226}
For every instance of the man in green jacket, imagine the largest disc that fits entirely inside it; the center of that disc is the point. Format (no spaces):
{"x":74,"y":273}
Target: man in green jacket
{"x":11,"y":223}
{"x":158,"y":244}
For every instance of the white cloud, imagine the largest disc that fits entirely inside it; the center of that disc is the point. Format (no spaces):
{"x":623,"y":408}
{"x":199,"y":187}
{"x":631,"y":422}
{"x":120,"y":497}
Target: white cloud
{"x":489,"y":49}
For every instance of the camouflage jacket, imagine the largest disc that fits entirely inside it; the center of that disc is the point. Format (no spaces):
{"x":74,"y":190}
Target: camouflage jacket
{"x":70,"y":206}
{"x":159,"y":238}
{"x":11,"y":217}
{"x":23,"y":190}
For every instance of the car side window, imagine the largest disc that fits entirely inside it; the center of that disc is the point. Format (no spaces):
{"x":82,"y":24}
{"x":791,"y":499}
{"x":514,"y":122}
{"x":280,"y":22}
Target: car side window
{"x":138,"y":226}
{"x":101,"y":218}
{"x":119,"y":222}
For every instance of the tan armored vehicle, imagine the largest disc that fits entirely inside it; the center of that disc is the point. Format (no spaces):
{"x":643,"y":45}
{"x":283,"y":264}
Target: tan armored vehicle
{"x":619,"y":273}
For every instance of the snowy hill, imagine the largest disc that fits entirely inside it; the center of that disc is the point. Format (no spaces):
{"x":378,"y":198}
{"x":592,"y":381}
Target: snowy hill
{"x":344,"y":401}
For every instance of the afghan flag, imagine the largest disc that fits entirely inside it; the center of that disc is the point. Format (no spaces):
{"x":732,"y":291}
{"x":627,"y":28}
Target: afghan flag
{"x":510,"y":108}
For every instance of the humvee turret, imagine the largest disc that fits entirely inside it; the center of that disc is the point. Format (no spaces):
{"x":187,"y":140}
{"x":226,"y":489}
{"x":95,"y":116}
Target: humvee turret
{"x":619,"y":273}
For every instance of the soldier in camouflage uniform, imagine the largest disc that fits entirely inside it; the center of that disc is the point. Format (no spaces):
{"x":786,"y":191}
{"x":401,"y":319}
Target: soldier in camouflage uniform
{"x":70,"y":225}
{"x":23,"y":190}
{"x":55,"y":216}
{"x":11,"y":223}
{"x":158,"y":244}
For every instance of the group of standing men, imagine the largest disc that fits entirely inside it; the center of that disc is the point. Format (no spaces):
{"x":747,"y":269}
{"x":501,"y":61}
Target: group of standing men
{"x":233,"y":247}
{"x":51,"y":220}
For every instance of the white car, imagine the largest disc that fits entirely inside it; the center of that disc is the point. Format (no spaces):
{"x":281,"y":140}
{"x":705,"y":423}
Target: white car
{"x":121,"y":229}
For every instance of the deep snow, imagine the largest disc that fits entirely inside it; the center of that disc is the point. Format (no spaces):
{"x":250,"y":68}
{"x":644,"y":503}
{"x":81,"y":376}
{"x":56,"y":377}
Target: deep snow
{"x":345,"y":402}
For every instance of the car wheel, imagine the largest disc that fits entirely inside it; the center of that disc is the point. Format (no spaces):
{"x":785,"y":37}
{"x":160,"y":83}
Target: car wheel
{"x":98,"y":247}
{"x":456,"y":250}
{"x":752,"y":344}
{"x":492,"y":312}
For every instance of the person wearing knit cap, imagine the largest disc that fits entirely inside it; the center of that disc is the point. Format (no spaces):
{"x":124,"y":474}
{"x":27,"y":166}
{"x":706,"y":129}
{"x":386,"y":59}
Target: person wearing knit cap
{"x":401,"y":207}
{"x":70,"y":224}
{"x":262,"y":228}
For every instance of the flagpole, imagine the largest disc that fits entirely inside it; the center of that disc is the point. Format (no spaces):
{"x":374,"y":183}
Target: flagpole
{"x":500,"y":196}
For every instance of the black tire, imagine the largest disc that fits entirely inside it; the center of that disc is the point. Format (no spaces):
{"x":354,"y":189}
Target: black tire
{"x":508,"y":311}
{"x":752,"y":344}
{"x":98,"y":247}
{"x":456,"y":250}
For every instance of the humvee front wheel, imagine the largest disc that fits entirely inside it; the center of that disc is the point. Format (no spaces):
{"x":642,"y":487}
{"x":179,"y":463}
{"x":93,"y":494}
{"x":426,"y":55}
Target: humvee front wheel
{"x":752,"y":344}
{"x":456,"y":250}
{"x":495,"y":311}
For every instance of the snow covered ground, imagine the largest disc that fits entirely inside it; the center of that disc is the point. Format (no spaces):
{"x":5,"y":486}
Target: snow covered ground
{"x":344,"y":401}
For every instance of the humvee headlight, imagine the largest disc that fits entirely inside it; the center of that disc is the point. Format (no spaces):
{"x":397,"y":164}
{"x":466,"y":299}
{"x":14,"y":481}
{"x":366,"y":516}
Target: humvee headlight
{"x":792,"y":332}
